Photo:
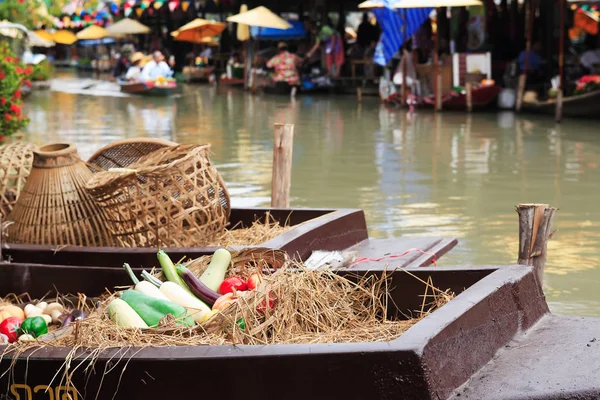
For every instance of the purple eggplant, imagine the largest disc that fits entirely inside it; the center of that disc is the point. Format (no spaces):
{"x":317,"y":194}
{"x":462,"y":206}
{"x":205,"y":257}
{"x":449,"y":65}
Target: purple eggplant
{"x":198,"y":288}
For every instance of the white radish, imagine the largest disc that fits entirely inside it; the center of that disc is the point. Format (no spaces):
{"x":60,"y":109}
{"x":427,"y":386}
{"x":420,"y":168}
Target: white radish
{"x":42,"y":305}
{"x":55,"y":314}
{"x":47,"y":318}
{"x":54,"y":306}
{"x":196,"y":308}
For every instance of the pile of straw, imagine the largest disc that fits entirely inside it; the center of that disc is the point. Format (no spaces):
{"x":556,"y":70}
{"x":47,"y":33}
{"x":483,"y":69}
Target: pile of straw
{"x":309,"y":307}
{"x":259,"y":233}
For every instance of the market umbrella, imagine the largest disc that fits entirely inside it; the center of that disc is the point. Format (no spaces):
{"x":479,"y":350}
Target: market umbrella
{"x":44,"y":35}
{"x":37,"y":41}
{"x":261,"y":17}
{"x":422,"y":3}
{"x":64,"y":37}
{"x":11,"y":30}
{"x":127,"y":26}
{"x":92,"y":32}
{"x":197,"y":30}
{"x":243,"y":30}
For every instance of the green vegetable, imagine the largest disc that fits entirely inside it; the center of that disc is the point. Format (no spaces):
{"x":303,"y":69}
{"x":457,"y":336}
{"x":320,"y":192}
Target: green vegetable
{"x":123,"y":315}
{"x":215,"y":273}
{"x":152,"y":310}
{"x":169,"y":269}
{"x":34,"y":326}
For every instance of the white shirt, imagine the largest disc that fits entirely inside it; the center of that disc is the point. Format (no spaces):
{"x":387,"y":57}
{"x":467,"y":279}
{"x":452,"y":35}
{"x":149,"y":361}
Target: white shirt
{"x":206,"y":53}
{"x":152,"y":71}
{"x":133,"y":73}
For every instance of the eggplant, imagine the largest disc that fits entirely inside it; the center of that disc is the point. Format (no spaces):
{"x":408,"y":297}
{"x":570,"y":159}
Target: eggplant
{"x":65,"y":319}
{"x":196,"y":286}
{"x":75,"y":315}
{"x":78,"y":315}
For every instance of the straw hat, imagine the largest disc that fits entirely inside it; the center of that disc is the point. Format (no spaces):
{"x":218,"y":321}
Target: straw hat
{"x":282,"y":45}
{"x":136,"y":57}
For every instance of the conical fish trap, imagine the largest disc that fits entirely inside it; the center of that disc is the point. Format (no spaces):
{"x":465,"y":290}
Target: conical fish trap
{"x":171,"y":197}
{"x":123,"y":153}
{"x":54,"y":208}
{"x":15,"y":167}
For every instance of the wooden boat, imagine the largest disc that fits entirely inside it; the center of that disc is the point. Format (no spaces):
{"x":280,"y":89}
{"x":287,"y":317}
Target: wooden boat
{"x":148,"y":88}
{"x":583,"y":105}
{"x":430,"y":361}
{"x":198,"y":74}
{"x":482,"y":97}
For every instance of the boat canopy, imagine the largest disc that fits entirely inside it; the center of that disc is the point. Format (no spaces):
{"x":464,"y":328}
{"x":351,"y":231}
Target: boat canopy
{"x":297,"y":31}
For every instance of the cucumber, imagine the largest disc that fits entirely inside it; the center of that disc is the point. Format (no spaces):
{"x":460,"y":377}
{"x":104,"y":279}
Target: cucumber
{"x":123,"y":315}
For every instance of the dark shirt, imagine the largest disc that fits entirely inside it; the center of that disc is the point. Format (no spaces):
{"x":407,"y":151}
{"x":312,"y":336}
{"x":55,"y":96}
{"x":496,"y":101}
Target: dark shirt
{"x":121,"y":67}
{"x":366,"y":34}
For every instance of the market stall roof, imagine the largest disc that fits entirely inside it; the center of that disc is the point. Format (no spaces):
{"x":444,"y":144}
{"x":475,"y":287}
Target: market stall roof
{"x":64,"y":37}
{"x":243,"y":30}
{"x":44,"y":35}
{"x":297,"y":31}
{"x":92,"y":32}
{"x":197,"y":30}
{"x":260,"y":17}
{"x":11,"y":30}
{"x":127,"y":26}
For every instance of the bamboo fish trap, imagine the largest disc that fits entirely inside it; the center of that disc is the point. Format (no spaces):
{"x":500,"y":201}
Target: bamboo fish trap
{"x":171,"y":197}
{"x":15,"y":167}
{"x":53,"y":207}
{"x":123,"y":153}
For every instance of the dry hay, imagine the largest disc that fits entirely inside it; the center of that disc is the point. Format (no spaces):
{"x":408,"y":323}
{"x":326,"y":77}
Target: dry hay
{"x":260,"y":232}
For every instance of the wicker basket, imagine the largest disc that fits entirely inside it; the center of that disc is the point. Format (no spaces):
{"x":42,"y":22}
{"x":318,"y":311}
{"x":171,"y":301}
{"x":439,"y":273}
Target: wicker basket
{"x":173,"y":197}
{"x":123,"y":153}
{"x":15,"y":167}
{"x":54,"y":208}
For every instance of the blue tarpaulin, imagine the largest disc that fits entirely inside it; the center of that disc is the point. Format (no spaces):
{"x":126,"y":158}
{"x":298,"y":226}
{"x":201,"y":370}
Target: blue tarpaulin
{"x":297,"y":31}
{"x":94,"y":42}
{"x":392,"y":34}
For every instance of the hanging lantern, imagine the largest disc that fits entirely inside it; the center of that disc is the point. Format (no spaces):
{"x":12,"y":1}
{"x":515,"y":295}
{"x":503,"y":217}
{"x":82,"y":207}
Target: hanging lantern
{"x":185,"y":5}
{"x":158,"y":4}
{"x":173,"y":5}
{"x":127,"y":12}
{"x":138,"y":12}
{"x":151,"y":11}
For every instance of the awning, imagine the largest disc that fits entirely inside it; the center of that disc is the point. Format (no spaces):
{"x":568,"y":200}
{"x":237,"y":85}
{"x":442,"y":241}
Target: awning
{"x":260,"y":16}
{"x":297,"y":31}
{"x":92,"y":32}
{"x":127,"y":26}
{"x":95,"y":42}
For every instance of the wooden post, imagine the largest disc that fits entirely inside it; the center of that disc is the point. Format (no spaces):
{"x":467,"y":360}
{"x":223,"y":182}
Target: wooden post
{"x":561,"y":62}
{"x":359,"y":94}
{"x":282,"y":165}
{"x":469,"y":89}
{"x":535,"y":224}
{"x":529,"y":18}
{"x":436,"y":71}
{"x":404,"y":61}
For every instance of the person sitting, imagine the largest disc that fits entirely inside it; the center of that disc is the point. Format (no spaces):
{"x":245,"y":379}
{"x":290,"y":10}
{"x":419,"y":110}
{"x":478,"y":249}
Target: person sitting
{"x":534,"y":61}
{"x":590,"y":60}
{"x":123,"y":62}
{"x":135,"y":71}
{"x":156,"y":68}
{"x":285,"y":65}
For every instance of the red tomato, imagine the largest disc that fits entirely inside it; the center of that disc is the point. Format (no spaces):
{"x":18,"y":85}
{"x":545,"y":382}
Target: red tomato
{"x":232,"y":283}
{"x":254,"y":281}
{"x":10,"y":328}
{"x":263,"y":306}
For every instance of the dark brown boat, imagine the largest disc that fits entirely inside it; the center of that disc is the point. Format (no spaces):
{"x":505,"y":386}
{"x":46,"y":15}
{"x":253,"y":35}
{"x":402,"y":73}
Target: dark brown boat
{"x":583,"y":105}
{"x":146,"y":89}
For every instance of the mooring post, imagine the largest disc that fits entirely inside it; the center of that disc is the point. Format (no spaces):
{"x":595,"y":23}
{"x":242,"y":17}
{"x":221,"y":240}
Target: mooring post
{"x":469,"y":89}
{"x":282,"y":165}
{"x":535,"y":224}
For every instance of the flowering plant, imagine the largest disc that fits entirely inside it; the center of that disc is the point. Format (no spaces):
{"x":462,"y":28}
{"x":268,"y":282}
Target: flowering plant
{"x":13,"y":76}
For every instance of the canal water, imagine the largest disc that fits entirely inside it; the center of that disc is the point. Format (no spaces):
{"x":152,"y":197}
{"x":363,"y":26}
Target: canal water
{"x":451,"y":174}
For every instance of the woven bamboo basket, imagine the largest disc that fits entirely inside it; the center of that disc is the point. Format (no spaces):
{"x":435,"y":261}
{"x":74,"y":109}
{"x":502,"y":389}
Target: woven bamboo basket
{"x":123,"y":153}
{"x":15,"y":167}
{"x":54,"y":208}
{"x":173,"y":197}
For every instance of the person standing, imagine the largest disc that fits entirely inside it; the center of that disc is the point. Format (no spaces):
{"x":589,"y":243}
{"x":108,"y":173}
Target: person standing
{"x":367,"y":33}
{"x":334,"y":49}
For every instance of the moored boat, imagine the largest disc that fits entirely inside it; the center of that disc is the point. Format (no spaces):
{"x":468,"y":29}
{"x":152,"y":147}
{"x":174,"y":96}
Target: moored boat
{"x":482,"y":97}
{"x":581,"y":105}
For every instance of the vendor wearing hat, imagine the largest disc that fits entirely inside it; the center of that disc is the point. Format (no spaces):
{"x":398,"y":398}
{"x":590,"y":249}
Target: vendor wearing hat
{"x":134,"y":72}
{"x":285,"y":65}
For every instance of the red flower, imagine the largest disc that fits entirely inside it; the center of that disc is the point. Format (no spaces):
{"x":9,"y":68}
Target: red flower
{"x":2,"y":101}
{"x":7,"y":117}
{"x":2,"y":76}
{"x":17,"y":94}
{"x":27,"y":82}
{"x":19,"y":70}
{"x":28,"y":70}
{"x":21,"y":1}
{"x":15,"y":108}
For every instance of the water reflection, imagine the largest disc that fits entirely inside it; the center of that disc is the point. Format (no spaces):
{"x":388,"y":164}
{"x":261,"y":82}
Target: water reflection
{"x":450,"y":174}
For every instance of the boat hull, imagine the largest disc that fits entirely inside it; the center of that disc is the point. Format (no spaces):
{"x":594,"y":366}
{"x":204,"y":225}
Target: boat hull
{"x":482,"y":98}
{"x":140,"y":88}
{"x":586,"y":105}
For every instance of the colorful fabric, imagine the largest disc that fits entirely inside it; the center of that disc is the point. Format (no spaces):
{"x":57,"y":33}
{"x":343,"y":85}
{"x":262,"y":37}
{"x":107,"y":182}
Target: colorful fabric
{"x":325,"y":33}
{"x":286,"y":70}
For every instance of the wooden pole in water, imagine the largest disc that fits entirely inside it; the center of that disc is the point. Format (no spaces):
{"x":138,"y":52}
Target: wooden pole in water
{"x":436,"y":70}
{"x":404,"y":61}
{"x":282,"y":165}
{"x":561,"y":62}
{"x":529,"y":18}
{"x":469,"y":89}
{"x":535,"y":224}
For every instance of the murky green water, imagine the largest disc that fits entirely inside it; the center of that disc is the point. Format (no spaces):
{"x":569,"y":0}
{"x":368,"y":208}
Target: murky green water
{"x":450,"y":175}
